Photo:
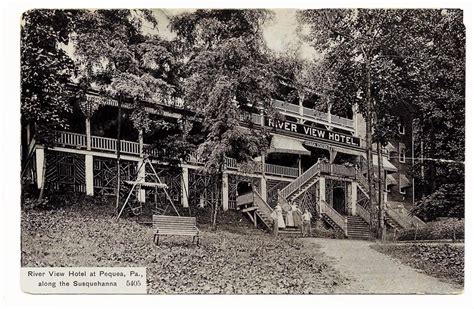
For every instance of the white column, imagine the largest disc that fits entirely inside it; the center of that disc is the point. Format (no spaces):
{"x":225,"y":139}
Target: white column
{"x":225,"y":191}
{"x":185,"y":187}
{"x":322,"y":191}
{"x":39,"y":166}
{"x":140,"y":142}
{"x":89,"y":162}
{"x":263,"y":188}
{"x":88,"y":133}
{"x":141,"y":177}
{"x":353,"y":201}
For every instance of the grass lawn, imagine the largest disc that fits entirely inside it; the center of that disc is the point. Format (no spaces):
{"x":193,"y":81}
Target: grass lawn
{"x":234,"y":259}
{"x":441,"y":260}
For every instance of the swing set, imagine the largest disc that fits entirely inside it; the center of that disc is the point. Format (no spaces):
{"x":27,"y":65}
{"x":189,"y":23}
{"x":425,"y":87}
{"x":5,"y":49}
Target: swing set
{"x":139,"y":184}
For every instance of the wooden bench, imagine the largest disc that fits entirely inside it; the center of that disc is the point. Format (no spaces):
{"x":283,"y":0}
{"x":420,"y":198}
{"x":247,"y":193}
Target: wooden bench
{"x":174,"y":225}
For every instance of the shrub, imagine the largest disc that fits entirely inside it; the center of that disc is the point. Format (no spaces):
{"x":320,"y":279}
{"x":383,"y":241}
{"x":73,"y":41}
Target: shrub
{"x":446,"y":229}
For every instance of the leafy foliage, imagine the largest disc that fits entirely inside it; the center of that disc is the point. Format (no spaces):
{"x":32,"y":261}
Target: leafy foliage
{"x":226,"y":71}
{"x":46,"y":70}
{"x":400,"y":58}
{"x":445,"y":229}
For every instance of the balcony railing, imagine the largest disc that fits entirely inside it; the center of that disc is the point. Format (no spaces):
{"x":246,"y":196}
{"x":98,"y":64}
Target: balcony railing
{"x":71,"y":139}
{"x":110,"y":144}
{"x":281,"y":170}
{"x":309,"y":112}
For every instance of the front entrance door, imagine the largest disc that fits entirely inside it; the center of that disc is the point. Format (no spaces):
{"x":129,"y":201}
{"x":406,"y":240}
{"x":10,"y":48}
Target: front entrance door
{"x":339,"y":201}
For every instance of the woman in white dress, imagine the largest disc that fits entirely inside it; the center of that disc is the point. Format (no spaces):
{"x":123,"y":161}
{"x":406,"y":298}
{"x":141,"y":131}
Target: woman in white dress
{"x":290,"y":221}
{"x":278,"y":214}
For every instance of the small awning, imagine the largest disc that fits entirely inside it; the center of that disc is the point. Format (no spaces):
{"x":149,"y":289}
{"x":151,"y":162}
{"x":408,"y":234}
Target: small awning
{"x":390,"y":148}
{"x":391,"y":181}
{"x":389,"y":167}
{"x":285,"y":144}
{"x":347,"y":151}
{"x":385,"y":163}
{"x":404,"y":182}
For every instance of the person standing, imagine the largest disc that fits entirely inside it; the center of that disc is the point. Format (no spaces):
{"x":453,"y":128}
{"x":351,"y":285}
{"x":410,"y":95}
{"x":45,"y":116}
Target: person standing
{"x":307,"y":223}
{"x":278,"y":216}
{"x":289,"y":215}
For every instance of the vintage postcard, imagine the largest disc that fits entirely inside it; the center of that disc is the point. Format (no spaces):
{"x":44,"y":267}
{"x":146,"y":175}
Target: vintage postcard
{"x":242,"y":151}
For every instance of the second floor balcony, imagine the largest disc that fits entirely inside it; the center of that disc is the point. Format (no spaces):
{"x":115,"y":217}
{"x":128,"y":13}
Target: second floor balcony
{"x":310,"y":114}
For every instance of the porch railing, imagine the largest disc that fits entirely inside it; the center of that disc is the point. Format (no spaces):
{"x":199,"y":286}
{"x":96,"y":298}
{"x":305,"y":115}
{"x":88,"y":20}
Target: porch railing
{"x":71,"y":139}
{"x":341,"y":170}
{"x":128,"y":147}
{"x":281,"y":170}
{"x":110,"y":144}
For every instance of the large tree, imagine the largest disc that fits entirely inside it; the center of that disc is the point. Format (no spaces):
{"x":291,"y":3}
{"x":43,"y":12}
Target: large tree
{"x":46,"y":70}
{"x":118,"y":58}
{"x":385,"y":59}
{"x":226,"y":74}
{"x":361,"y":51}
{"x":438,"y":79}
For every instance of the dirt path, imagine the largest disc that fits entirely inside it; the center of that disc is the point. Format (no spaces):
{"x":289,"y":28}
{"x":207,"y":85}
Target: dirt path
{"x":374,"y":272}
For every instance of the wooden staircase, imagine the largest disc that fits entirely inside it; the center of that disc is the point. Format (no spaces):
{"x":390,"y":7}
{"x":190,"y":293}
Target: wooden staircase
{"x":357,"y":228}
{"x":301,"y":184}
{"x":256,"y":208}
{"x":393,"y":218}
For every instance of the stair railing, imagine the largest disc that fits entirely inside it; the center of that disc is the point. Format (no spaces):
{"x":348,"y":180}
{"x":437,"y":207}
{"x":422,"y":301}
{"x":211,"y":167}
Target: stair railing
{"x":395,"y":216}
{"x":336,"y":217}
{"x":362,"y":180}
{"x":301,"y":180}
{"x":405,"y":221}
{"x":363,"y":213}
{"x":262,"y":205}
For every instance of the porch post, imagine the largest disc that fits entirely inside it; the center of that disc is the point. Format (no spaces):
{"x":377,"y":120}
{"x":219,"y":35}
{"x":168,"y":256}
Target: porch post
{"x":185,"y":187}
{"x":141,"y":178}
{"x":140,"y":142}
{"x":89,"y":161}
{"x":263,"y":188}
{"x":39,"y":166}
{"x":322,"y":192}
{"x":353,"y":198}
{"x":225,"y":191}
{"x":332,"y":155}
{"x":88,"y":133}
{"x":263,"y":180}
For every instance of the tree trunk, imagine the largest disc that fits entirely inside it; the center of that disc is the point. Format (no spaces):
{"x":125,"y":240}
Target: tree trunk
{"x":119,"y":124}
{"x":368,"y":149}
{"x":216,"y":205}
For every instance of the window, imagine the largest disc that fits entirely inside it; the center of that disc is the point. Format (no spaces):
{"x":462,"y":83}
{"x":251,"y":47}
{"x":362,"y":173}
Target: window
{"x":401,"y":156}
{"x":401,"y":129}
{"x":403,"y":191}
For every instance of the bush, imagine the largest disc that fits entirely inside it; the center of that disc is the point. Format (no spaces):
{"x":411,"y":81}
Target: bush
{"x":447,"y":229}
